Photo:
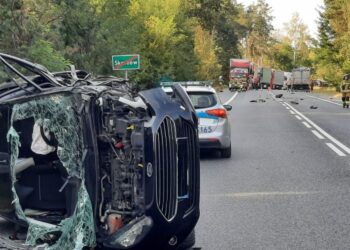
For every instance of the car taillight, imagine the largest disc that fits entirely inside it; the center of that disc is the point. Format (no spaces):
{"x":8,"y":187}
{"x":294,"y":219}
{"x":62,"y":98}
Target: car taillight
{"x":217,"y":112}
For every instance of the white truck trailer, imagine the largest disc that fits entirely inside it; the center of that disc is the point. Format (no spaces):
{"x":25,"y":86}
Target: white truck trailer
{"x":278,"y":79}
{"x":301,"y":79}
{"x":265,"y":77}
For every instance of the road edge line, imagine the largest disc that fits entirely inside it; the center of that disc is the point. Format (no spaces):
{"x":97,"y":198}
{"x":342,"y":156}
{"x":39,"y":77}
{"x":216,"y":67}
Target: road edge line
{"x":324,"y":100}
{"x":335,"y":149}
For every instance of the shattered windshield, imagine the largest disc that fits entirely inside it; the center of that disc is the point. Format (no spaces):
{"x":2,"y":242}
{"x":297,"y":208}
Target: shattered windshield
{"x":56,"y":114}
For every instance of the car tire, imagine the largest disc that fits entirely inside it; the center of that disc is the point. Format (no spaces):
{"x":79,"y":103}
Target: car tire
{"x":226,"y":152}
{"x":188,"y":243}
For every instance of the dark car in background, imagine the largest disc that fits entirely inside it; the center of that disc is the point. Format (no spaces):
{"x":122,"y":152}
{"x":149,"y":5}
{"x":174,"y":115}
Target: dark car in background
{"x":91,"y":162}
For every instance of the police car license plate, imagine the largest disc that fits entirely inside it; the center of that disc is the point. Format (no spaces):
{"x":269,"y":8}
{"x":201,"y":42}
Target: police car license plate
{"x":205,"y":129}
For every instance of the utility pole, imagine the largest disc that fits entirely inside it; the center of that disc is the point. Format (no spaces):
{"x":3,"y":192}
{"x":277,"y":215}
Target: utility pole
{"x":294,"y":57}
{"x":294,"y":53}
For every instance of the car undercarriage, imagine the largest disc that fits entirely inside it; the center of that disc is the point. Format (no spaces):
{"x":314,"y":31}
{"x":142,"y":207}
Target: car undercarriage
{"x":88,"y":162}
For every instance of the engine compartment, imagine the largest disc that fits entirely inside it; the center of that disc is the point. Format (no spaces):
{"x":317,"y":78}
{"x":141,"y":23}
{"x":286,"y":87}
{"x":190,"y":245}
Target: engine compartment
{"x":121,"y":146}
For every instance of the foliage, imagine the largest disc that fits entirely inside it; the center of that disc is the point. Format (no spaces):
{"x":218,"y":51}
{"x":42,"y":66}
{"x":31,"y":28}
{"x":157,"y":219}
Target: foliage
{"x":258,"y":39}
{"x":299,"y":38}
{"x":42,"y":52}
{"x":209,"y":66}
{"x":332,"y":58}
{"x":167,"y":40}
{"x":282,"y":55}
{"x":177,"y":39}
{"x":221,"y":19}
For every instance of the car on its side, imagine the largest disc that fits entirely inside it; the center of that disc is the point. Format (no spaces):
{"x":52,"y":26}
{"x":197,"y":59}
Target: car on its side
{"x":213,"y":126}
{"x":90,"y":161}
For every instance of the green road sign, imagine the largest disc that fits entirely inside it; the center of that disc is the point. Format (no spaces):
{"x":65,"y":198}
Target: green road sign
{"x":126,"y":62}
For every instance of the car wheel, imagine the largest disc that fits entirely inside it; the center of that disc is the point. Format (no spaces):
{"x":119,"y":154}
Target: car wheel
{"x":188,"y":243}
{"x":226,"y":153}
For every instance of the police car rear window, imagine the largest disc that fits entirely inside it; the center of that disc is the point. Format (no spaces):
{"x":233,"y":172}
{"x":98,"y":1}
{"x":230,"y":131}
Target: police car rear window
{"x":202,"y":100}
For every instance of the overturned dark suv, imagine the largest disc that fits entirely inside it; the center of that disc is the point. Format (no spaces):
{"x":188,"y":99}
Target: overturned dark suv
{"x":88,"y":162}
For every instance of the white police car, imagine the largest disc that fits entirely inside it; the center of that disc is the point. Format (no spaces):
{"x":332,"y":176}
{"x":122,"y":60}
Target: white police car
{"x":214,"y":126}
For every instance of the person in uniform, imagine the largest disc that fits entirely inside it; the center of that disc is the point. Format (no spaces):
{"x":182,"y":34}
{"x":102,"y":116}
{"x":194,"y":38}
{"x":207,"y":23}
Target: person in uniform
{"x":345,"y":90}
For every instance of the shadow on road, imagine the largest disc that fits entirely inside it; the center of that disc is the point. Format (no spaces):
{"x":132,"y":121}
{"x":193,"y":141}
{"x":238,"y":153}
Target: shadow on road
{"x":206,"y":154}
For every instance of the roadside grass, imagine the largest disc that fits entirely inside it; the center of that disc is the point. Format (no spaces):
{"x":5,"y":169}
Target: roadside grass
{"x":327,"y":91}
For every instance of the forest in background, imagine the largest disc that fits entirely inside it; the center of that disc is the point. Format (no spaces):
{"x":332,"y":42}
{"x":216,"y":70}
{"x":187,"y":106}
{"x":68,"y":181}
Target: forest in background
{"x":177,"y":39}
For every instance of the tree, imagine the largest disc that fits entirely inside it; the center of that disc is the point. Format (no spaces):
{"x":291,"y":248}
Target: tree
{"x":282,"y":56}
{"x":78,"y":32}
{"x":177,"y":39}
{"x":297,"y":34}
{"x":209,"y":67}
{"x":28,"y":30}
{"x":326,"y":62}
{"x":167,"y":44}
{"x":258,"y":39}
{"x":221,"y":19}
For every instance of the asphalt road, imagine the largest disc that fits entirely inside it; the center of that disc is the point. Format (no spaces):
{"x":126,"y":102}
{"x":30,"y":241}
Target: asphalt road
{"x":287,"y":185}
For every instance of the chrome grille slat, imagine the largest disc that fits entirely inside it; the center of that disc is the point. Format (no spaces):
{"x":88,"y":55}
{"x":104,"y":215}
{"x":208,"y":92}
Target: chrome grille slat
{"x":166,"y":163}
{"x":158,"y":162}
{"x":189,"y":167}
{"x":174,"y":171}
{"x":163,"y":163}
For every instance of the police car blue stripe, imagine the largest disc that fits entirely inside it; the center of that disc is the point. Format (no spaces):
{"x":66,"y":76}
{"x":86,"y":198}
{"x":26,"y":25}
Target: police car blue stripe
{"x":203,"y":114}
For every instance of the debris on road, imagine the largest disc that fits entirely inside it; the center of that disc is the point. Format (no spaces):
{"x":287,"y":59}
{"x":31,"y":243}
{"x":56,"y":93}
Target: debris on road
{"x":279,"y":96}
{"x":294,"y":102}
{"x":258,"y":100}
{"x":313,"y":107}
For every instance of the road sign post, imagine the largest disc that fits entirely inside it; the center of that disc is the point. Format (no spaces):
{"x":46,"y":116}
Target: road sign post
{"x":126,"y":63}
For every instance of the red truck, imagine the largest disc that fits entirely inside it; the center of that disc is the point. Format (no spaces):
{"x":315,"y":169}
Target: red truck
{"x":241,"y":71}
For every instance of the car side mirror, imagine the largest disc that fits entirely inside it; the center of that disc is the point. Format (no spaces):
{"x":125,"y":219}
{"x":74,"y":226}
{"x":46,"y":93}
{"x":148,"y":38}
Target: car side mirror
{"x":228,"y":107}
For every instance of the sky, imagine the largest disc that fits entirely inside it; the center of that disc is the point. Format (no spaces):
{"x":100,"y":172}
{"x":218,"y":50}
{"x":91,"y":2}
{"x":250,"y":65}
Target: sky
{"x":284,"y":9}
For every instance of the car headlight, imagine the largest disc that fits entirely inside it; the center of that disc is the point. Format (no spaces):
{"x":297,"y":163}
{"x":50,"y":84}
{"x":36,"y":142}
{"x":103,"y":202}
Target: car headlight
{"x":129,"y":236}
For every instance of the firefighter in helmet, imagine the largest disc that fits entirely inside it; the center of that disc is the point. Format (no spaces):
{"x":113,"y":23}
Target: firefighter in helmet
{"x":345,"y":90}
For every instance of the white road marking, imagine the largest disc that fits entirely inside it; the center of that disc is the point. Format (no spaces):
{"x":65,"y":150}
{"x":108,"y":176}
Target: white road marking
{"x":307,"y":124}
{"x":331,"y":138}
{"x":298,"y":117}
{"x":335,"y":149}
{"x":259,"y":194}
{"x":318,"y":135}
{"x":324,"y":100}
{"x":231,"y":99}
{"x":292,"y":112}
